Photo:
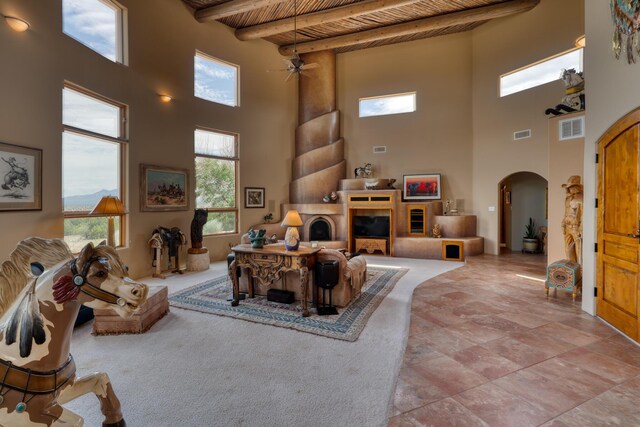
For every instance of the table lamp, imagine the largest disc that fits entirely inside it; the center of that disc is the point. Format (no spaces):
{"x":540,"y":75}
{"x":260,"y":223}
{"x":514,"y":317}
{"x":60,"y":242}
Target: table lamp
{"x":109,"y":206}
{"x":292,"y":238}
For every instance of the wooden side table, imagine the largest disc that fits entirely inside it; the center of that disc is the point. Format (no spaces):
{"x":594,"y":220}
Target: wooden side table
{"x":269,"y":263}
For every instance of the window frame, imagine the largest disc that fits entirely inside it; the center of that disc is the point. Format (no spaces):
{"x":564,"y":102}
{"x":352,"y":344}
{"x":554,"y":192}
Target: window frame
{"x":533,"y":64}
{"x":221,"y":61}
{"x":236,"y":160}
{"x":391,"y":95}
{"x":121,"y":56}
{"x":123,"y":142}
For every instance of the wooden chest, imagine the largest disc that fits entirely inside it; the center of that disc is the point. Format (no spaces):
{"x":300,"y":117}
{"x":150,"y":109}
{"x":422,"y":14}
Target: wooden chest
{"x":564,"y":275}
{"x":371,"y":245}
{"x":108,"y":322}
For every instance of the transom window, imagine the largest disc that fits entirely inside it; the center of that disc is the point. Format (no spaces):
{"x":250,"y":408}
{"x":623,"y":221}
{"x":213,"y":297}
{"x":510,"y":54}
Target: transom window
{"x":216,"y":80}
{"x":388,"y":104}
{"x":93,"y":149}
{"x":216,"y":159}
{"x":98,"y":24}
{"x":542,"y":72}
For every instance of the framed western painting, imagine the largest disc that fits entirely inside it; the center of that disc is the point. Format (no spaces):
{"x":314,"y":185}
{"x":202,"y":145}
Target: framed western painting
{"x":163,"y":188}
{"x":253,"y":197}
{"x":20,"y":178}
{"x":421,"y":187}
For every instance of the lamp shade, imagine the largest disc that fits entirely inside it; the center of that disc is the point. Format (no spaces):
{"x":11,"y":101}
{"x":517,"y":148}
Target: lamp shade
{"x":109,"y":205}
{"x":292,"y":219}
{"x":17,"y":24}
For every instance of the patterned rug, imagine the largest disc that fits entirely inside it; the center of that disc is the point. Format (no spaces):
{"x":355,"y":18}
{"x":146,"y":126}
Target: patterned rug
{"x":211,"y":297}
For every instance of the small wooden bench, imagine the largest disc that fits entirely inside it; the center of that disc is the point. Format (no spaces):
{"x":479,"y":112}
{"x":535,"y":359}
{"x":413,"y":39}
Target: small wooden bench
{"x":108,"y":322}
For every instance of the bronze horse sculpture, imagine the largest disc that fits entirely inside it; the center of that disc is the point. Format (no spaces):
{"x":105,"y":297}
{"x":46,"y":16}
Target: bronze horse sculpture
{"x":42,"y":287}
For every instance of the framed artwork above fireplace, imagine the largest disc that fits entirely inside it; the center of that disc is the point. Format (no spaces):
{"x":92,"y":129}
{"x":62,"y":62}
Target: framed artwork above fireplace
{"x":421,"y":187}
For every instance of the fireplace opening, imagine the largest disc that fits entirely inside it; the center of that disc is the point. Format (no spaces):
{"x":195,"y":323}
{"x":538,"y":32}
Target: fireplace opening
{"x":371,"y":226}
{"x":320,"y":230}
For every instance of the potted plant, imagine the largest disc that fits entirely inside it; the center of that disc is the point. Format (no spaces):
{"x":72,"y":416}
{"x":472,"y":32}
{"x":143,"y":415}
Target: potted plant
{"x":530,"y":239}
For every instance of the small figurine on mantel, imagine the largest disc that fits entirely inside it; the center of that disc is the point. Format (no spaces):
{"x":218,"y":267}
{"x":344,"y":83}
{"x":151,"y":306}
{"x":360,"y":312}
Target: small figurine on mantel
{"x":436,"y":232}
{"x":197,"y":254}
{"x":450,"y":207}
{"x":364,"y":171}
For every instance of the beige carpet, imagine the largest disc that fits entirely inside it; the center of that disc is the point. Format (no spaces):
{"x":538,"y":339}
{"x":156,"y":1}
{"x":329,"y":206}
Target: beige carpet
{"x":195,"y":369}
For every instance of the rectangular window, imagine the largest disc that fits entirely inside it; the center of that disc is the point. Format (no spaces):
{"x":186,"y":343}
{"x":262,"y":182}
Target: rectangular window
{"x":216,"y":158}
{"x":216,"y":80}
{"x":97,"y":24}
{"x":542,"y":72}
{"x":93,"y":150}
{"x":388,"y":104}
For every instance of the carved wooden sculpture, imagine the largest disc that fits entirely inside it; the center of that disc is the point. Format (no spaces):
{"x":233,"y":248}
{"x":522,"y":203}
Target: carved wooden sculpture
{"x":572,"y":221}
{"x":199,"y":220}
{"x":319,"y":164}
{"x":41,"y":288}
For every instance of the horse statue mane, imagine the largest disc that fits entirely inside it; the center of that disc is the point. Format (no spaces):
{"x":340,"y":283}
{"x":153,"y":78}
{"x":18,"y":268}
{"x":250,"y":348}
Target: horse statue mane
{"x":15,"y":272}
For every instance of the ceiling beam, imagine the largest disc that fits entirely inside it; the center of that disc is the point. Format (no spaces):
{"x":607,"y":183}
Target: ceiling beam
{"x":431,"y":23}
{"x":232,"y":7}
{"x":320,"y":17}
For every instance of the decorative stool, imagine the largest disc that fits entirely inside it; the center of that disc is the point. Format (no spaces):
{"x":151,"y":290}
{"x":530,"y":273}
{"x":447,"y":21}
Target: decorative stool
{"x":564,"y":275}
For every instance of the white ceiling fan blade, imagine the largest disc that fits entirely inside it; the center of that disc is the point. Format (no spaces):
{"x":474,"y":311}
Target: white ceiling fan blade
{"x":310,"y":66}
{"x":288,"y":77}
{"x":273,"y":70}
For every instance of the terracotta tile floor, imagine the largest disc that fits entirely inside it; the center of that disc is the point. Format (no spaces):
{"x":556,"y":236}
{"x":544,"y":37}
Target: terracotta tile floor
{"x":487,"y":348}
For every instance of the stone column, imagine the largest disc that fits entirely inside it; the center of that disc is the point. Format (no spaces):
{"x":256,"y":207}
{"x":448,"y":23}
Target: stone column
{"x":319,"y":164}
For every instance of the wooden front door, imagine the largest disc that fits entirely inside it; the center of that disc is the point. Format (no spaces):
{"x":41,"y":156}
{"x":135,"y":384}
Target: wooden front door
{"x":619,"y":225}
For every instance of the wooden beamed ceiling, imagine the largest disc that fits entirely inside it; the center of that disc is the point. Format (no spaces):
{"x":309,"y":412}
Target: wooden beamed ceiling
{"x":346,"y":25}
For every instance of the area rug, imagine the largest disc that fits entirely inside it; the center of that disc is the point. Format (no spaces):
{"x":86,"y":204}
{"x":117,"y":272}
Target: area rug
{"x":211,"y":297}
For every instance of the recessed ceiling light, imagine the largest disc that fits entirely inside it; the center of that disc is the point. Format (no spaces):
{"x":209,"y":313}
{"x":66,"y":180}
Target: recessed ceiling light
{"x":166,"y":98}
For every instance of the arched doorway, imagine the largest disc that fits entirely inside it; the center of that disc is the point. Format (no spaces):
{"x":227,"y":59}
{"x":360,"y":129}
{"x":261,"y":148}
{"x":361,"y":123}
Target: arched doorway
{"x":521,"y":195}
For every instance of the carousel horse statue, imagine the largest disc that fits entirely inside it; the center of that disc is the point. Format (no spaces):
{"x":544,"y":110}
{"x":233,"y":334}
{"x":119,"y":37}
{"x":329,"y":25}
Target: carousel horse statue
{"x":574,"y":99}
{"x":42,"y":287}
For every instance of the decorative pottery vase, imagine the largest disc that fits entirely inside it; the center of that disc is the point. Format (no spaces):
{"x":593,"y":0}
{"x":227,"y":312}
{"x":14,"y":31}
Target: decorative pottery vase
{"x":257,"y":243}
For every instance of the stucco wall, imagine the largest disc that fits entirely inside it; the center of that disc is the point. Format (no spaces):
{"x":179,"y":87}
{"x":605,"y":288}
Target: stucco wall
{"x":163,"y":37}
{"x":613,"y":91}
{"x":566,"y":158}
{"x":501,"y":46}
{"x":434,"y":139}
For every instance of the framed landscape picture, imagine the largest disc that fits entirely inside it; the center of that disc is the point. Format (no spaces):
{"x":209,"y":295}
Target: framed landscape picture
{"x":20,"y":178}
{"x":163,"y":188}
{"x":253,"y":197}
{"x":421,"y":187}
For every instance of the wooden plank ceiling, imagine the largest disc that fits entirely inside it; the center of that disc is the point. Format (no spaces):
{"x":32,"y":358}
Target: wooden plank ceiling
{"x":346,"y":25}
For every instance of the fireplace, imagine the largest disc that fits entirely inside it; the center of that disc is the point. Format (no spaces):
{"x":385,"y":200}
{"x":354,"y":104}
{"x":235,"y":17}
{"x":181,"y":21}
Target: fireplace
{"x":321,"y":228}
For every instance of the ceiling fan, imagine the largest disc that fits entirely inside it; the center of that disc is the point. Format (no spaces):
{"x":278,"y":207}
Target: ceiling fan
{"x":295,"y":65}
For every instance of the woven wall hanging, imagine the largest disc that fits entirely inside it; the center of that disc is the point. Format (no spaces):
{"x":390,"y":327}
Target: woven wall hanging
{"x":625,"y":14}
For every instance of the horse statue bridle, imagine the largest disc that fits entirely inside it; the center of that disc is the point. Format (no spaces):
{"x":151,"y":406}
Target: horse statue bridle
{"x":80,"y":280}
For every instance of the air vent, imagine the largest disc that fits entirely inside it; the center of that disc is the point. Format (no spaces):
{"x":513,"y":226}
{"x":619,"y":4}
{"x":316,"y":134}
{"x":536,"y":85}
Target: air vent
{"x":571,"y":128}
{"x":379,"y":149}
{"x":522,"y":134}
